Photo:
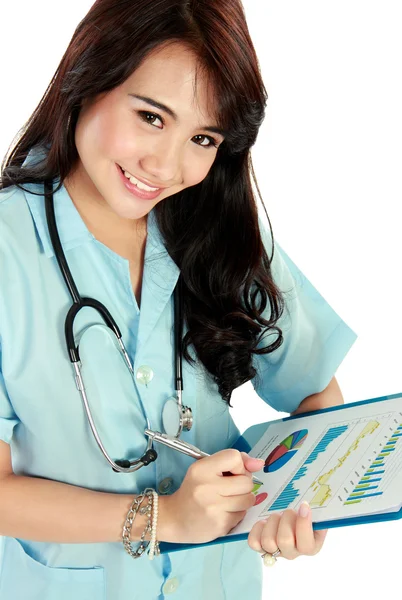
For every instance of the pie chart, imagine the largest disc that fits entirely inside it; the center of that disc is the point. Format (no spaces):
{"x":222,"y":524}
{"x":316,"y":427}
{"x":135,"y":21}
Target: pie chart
{"x":285,"y":451}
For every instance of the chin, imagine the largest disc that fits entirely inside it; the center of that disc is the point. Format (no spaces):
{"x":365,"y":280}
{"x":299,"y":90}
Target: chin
{"x":131,"y":212}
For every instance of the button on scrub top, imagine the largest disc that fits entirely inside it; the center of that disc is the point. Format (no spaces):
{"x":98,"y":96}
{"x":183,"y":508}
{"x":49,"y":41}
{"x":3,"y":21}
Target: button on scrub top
{"x":43,"y":420}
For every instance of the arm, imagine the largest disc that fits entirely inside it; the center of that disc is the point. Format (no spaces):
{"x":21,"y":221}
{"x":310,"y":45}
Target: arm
{"x":50,"y":511}
{"x":331,"y":396}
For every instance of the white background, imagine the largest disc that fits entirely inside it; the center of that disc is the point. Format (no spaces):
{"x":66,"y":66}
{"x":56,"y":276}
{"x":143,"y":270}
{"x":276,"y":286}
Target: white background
{"x":328,"y":164}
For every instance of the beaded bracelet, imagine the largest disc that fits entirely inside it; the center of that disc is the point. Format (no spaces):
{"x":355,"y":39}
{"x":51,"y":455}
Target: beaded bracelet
{"x":152,"y":496}
{"x":154,"y":544}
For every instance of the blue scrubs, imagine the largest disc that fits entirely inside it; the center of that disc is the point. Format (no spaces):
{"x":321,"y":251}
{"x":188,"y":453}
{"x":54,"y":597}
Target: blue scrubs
{"x":42,"y":417}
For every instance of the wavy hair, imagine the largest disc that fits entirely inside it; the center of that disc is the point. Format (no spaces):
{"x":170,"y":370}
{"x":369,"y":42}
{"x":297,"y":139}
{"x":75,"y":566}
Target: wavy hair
{"x":211,"y":231}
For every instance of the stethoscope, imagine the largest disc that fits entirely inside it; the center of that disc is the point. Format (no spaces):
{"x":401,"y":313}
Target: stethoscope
{"x":175,"y":416}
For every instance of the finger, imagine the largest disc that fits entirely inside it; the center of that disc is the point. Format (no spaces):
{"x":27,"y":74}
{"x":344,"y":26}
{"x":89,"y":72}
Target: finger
{"x":254,"y":537}
{"x":286,"y":536}
{"x":308,"y":541}
{"x":319,"y":536}
{"x":269,"y":533}
{"x":227,"y":461}
{"x":252,"y":464}
{"x":230,"y":462}
{"x":236,"y":485}
{"x":238,"y":502}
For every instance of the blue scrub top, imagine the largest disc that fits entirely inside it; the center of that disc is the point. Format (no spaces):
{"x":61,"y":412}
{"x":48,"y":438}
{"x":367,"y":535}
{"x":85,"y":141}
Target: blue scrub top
{"x":42,"y":417}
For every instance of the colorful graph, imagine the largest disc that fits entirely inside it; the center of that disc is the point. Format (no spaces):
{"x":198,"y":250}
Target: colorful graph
{"x":322,"y":485}
{"x":285,"y":451}
{"x":378,"y":467}
{"x":291,"y":490}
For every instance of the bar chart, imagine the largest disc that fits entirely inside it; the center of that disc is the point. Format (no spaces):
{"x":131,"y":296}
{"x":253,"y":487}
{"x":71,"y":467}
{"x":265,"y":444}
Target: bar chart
{"x":376,"y":476}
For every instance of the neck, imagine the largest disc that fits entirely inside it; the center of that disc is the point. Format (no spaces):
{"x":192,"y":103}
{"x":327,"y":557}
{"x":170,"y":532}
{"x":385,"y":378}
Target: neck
{"x":126,"y":237}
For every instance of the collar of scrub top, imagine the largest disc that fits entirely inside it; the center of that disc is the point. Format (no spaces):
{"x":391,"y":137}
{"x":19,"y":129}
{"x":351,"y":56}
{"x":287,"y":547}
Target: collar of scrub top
{"x":72,"y":230}
{"x":73,"y":233}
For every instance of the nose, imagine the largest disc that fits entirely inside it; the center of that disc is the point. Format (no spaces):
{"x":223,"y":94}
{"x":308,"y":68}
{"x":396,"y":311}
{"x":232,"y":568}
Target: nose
{"x":163,"y":164}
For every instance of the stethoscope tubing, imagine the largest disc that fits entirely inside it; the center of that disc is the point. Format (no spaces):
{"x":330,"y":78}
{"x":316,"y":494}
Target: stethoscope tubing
{"x":123,"y":466}
{"x":150,"y":455}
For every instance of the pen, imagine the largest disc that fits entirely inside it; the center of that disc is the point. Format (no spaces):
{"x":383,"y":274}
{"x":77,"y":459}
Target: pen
{"x":183,"y":447}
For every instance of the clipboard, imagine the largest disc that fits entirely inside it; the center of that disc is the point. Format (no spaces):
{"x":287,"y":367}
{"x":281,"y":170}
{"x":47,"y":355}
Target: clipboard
{"x":249,"y":438}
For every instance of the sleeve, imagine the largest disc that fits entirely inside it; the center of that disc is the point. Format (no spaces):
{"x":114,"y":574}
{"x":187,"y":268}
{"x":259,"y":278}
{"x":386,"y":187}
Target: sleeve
{"x":315,"y":338}
{"x":8,"y":418}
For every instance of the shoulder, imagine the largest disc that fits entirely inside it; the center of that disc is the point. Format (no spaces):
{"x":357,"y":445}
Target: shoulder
{"x":12,"y":203}
{"x":7,"y":194}
{"x":17,"y":229}
{"x":12,"y":207}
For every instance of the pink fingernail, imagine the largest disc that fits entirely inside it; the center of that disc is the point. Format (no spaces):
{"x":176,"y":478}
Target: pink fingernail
{"x":304,"y":509}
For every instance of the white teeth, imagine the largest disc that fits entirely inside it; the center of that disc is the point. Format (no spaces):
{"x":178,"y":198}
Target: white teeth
{"x":139,"y":184}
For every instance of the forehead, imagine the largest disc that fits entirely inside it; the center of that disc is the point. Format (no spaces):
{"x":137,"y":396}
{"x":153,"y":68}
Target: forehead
{"x":174,"y":76}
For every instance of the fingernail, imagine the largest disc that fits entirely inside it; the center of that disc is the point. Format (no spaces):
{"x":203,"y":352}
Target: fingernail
{"x":304,"y":509}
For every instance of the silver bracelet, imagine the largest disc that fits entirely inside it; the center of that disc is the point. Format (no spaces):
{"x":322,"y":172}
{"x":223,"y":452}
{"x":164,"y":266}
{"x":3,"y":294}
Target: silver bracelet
{"x":134,"y":509}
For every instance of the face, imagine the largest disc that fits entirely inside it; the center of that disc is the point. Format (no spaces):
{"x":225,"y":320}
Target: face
{"x":118,"y":130}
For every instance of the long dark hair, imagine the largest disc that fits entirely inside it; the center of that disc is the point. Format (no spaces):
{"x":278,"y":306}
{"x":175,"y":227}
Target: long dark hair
{"x":211,"y":231}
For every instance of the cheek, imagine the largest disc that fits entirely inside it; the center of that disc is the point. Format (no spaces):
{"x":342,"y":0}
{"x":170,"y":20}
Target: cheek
{"x":103,"y":132}
{"x":112,"y":134}
{"x":197,"y":170}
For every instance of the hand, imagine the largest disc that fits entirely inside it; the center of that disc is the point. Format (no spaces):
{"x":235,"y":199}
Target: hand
{"x":208,"y":504}
{"x":291,"y":533}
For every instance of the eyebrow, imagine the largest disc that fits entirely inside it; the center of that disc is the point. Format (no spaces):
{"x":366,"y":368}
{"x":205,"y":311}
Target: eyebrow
{"x":174,"y":116}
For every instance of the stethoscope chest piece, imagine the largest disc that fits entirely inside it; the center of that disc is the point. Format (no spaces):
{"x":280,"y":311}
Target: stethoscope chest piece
{"x":176,"y":417}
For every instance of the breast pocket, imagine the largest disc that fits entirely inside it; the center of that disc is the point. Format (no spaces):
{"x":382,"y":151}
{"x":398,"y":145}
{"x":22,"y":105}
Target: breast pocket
{"x":23,"y":577}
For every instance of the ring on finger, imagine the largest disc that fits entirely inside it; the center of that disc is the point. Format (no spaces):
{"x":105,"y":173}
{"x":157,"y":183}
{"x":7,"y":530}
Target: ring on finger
{"x":269,"y":538}
{"x":270,"y":559}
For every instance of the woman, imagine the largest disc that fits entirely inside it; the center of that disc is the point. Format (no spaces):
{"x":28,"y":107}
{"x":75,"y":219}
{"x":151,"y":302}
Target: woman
{"x":100,"y":129}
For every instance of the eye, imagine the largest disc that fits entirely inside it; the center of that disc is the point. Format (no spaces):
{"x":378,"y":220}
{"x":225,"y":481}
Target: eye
{"x":144,"y":114}
{"x":213,"y":143}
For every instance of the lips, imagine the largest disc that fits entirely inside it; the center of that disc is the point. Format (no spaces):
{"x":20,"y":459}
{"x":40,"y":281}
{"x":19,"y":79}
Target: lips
{"x":142,"y":180}
{"x":133,"y":189}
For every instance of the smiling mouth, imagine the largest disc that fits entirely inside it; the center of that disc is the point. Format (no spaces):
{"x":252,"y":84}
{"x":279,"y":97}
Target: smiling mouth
{"x":155,"y":188}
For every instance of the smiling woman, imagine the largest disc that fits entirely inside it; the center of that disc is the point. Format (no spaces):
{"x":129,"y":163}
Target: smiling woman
{"x":102,"y":128}
{"x":163,"y":94}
